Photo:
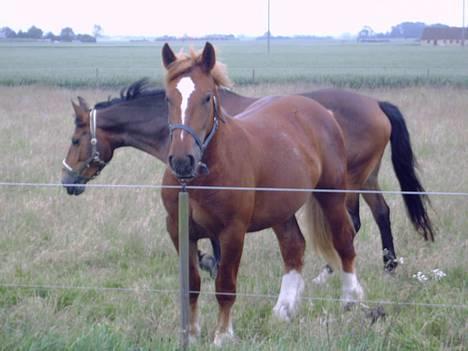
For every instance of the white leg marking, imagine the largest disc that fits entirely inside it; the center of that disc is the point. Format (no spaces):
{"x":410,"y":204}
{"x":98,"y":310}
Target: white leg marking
{"x":185,"y":86}
{"x":194,"y":330}
{"x":221,"y":337}
{"x":323,"y":276}
{"x":292,"y":286}
{"x":352,"y":290}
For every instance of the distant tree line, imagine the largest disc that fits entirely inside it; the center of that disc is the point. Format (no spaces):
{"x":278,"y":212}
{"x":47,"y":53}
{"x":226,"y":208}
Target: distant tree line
{"x":404,"y":30}
{"x":66,"y":35}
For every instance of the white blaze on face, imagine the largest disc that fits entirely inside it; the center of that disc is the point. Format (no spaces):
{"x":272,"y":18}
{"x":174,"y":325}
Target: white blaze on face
{"x":185,"y":88}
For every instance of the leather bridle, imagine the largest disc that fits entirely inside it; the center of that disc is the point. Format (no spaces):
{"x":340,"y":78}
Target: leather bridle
{"x":95,"y":157}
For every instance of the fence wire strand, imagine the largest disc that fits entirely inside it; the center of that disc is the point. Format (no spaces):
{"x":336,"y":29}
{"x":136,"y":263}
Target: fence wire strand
{"x":232,"y":188}
{"x":237,"y":294}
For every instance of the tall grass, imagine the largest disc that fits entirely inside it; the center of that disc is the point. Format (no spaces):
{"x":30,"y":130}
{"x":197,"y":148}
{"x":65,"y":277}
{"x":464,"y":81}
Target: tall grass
{"x":116,"y":238}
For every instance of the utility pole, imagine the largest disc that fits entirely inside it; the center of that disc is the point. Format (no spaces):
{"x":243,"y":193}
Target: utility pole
{"x":268,"y":32}
{"x":463,"y":24}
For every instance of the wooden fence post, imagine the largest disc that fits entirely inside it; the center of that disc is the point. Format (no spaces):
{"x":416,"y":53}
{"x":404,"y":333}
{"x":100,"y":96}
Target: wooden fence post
{"x":184,"y":267}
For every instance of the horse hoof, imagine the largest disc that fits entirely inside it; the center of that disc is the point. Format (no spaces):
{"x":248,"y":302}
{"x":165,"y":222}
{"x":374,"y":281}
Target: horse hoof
{"x":208,"y":264}
{"x":352,"y":290}
{"x":284,"y":312}
{"x":222,"y":338}
{"x":323,"y":276}
{"x":390,"y":266}
{"x":194,"y":333}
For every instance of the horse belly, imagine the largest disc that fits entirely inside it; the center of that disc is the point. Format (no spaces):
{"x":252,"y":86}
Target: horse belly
{"x":273,"y":208}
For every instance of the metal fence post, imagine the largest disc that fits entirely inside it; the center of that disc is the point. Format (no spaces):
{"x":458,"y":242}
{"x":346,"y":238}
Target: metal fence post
{"x":184,"y":267}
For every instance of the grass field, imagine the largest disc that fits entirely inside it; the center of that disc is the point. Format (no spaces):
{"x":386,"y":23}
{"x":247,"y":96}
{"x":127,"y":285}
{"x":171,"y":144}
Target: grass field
{"x":102,"y":269}
{"x":341,"y":64}
{"x":106,"y":241}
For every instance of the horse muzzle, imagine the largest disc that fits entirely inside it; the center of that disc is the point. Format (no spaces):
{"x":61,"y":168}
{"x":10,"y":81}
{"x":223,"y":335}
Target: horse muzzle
{"x":74,"y":185}
{"x":185,"y":169}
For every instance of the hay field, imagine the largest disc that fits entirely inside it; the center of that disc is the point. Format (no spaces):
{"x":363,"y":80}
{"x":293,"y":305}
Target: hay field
{"x":98,"y":271}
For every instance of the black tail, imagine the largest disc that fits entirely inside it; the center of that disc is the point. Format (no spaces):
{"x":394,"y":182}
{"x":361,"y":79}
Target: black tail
{"x":404,"y":164}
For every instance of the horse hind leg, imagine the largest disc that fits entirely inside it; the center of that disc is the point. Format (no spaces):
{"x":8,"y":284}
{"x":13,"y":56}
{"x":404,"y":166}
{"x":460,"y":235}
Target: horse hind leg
{"x":353,"y":210}
{"x":332,"y":233}
{"x":381,"y":213}
{"x":292,"y":247}
{"x":210,"y":263}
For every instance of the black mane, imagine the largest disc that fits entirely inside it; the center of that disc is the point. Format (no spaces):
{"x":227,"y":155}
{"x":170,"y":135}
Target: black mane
{"x":140,"y":88}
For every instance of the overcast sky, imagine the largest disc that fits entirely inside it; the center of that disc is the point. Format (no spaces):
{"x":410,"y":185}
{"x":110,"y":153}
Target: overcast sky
{"x":249,"y":17}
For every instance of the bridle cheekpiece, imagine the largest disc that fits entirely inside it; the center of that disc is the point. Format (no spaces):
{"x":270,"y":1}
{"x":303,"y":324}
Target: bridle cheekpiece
{"x":95,"y":156}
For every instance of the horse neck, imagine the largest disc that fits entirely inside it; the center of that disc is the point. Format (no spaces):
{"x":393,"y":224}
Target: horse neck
{"x":140,"y":123}
{"x":234,"y":103}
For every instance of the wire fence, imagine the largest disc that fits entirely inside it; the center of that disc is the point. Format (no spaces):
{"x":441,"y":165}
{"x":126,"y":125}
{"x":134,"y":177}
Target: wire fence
{"x":229,"y":188}
{"x":237,"y":294}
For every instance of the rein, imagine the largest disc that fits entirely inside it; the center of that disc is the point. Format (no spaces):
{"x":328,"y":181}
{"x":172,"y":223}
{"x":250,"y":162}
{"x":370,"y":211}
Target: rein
{"x":202,"y":145}
{"x":95,"y":156}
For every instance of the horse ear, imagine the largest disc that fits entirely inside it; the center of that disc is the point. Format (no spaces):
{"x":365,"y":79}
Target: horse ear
{"x":168,"y":55}
{"x":208,"y":59}
{"x":81,"y":110}
{"x":76,"y":108}
{"x":83,"y":104}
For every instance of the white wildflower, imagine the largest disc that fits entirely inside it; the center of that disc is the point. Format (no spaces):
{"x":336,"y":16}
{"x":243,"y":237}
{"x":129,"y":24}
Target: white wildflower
{"x":421,"y":277}
{"x":438,"y":274}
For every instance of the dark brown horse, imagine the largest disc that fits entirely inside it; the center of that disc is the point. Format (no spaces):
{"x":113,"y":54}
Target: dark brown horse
{"x":139,"y":119}
{"x":290,"y":142}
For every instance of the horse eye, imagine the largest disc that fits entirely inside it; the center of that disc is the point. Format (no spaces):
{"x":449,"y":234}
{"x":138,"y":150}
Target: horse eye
{"x":207,"y":99}
{"x":75,"y":141}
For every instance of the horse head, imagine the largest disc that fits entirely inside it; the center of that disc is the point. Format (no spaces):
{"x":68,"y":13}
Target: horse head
{"x":89,"y":151}
{"x":194,"y":110}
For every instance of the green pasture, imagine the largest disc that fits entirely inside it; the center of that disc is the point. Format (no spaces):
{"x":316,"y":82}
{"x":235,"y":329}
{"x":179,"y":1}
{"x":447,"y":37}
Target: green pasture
{"x":334,"y":63}
{"x":98,"y":271}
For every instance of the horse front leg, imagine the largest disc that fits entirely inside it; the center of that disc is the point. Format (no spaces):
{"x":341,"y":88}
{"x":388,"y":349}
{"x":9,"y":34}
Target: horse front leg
{"x":231,"y":242}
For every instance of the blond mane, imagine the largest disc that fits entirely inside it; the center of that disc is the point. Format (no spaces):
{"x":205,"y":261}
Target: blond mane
{"x":185,"y":62}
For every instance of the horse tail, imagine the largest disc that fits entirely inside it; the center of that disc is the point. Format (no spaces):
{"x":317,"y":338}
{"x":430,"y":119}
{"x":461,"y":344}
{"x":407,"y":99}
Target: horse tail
{"x":404,"y":164}
{"x":316,"y":227}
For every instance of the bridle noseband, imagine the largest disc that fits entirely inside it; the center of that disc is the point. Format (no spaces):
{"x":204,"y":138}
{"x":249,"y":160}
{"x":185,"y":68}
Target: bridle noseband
{"x":202,"y":145}
{"x":94,"y":158}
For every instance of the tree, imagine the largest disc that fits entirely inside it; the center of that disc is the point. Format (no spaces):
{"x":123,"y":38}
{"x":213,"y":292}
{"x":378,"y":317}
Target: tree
{"x":408,"y":30}
{"x":52,"y":37}
{"x":8,"y":32}
{"x":34,"y":33}
{"x":366,"y":33}
{"x":97,"y":31}
{"x":86,"y":38}
{"x":67,"y":34}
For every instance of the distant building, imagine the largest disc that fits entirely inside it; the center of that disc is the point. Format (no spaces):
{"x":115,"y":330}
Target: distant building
{"x":442,"y":36}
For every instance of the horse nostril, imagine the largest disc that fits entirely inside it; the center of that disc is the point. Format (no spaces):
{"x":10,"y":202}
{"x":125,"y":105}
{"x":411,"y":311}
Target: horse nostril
{"x":170,"y":161}
{"x":191,"y":160}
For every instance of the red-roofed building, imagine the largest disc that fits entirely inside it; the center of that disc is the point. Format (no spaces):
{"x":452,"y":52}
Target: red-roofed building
{"x":442,"y":36}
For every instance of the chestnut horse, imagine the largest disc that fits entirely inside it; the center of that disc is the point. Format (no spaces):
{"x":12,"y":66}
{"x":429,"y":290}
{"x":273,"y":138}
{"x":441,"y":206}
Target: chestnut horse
{"x":138,"y":119}
{"x":290,"y":142}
